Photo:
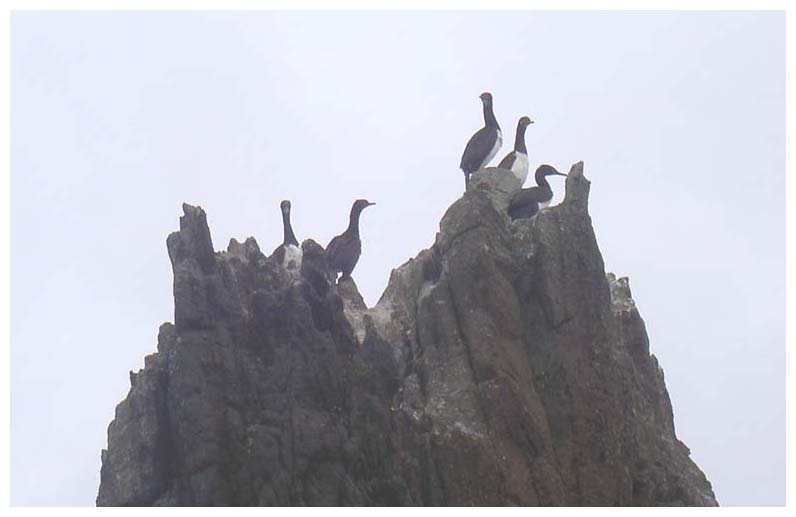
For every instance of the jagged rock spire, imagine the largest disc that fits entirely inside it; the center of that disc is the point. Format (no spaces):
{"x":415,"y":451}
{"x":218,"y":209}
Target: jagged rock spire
{"x":501,"y":366}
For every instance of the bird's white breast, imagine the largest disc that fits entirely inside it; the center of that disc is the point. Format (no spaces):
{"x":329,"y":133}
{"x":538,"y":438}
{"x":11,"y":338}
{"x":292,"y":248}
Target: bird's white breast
{"x":520,"y":166}
{"x":293,"y":255}
{"x":494,"y":150}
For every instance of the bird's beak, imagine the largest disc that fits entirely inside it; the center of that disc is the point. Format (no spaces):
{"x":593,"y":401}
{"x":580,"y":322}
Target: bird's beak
{"x":560,"y":173}
{"x":531,"y":122}
{"x":371,"y":204}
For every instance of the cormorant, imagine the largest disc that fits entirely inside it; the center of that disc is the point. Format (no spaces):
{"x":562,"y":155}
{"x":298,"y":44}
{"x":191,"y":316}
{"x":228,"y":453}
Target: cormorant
{"x":517,"y":160}
{"x":343,"y":251}
{"x":526,"y":202}
{"x":484,"y":144}
{"x":288,"y":254}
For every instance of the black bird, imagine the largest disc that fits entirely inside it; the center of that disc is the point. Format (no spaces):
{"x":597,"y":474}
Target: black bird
{"x":288,"y":254}
{"x":343,"y":251}
{"x":526,"y":202}
{"x":484,"y":144}
{"x":517,"y":160}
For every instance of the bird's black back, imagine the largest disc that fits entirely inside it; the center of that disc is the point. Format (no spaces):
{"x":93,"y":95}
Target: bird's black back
{"x":508,"y":161}
{"x":525,"y":202}
{"x":478,"y":149}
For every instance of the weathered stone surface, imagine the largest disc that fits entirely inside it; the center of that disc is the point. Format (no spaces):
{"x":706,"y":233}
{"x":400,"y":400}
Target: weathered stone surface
{"x":501,"y":366}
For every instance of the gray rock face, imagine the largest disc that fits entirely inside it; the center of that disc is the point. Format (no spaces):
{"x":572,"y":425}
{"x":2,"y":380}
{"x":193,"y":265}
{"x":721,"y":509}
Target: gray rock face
{"x":500,"y":367}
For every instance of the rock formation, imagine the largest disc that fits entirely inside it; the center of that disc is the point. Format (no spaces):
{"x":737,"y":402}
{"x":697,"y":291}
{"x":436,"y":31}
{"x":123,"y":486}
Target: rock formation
{"x":502,"y":366}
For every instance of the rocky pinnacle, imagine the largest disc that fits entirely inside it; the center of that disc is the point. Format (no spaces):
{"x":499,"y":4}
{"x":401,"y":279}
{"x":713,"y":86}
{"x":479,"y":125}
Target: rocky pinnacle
{"x":501,"y":366}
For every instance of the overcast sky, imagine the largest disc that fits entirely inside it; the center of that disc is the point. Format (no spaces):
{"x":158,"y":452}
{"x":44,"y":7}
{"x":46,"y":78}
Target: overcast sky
{"x":117,"y":118}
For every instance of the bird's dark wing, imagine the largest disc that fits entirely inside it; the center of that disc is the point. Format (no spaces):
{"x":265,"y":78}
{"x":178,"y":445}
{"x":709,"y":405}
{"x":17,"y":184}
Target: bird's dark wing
{"x":333,"y":249}
{"x":531,"y":194}
{"x":508,"y":161}
{"x":523,"y":203}
{"x":343,"y":252}
{"x":478,"y":148}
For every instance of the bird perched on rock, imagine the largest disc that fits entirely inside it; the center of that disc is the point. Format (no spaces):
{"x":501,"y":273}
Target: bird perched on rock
{"x":526,"y":202}
{"x":517,"y":160}
{"x":343,"y":251}
{"x":484,"y":144}
{"x":288,"y":254}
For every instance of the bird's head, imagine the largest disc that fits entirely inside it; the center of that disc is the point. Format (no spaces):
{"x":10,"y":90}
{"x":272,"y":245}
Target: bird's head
{"x":361,"y":204}
{"x":525,"y":122}
{"x":486,"y":98}
{"x":285,"y":206}
{"x":548,"y":170}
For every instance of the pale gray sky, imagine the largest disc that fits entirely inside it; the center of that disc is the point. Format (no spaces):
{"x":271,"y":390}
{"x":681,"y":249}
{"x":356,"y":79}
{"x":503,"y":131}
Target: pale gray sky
{"x":117,"y":118}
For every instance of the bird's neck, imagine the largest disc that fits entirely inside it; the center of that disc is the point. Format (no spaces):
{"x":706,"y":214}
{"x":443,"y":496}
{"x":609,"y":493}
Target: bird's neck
{"x":290,"y":238}
{"x":353,"y":223}
{"x":519,"y":141}
{"x":489,"y":117}
{"x":541,"y":181}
